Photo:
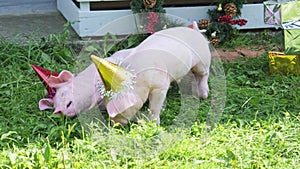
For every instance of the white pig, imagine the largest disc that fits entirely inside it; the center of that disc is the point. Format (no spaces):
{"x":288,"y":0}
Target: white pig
{"x":163,"y":57}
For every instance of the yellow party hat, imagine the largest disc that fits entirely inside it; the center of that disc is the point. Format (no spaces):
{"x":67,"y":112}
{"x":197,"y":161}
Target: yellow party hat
{"x":115,"y":78}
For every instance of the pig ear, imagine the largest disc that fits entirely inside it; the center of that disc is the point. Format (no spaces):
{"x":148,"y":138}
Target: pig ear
{"x":58,"y":81}
{"x":46,"y":104}
{"x":195,"y":26}
{"x":120,"y":104}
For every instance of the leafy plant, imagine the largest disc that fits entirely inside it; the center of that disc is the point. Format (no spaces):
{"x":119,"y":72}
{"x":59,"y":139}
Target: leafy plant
{"x":266,"y":39}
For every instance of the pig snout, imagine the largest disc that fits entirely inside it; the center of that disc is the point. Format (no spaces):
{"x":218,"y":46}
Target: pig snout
{"x":204,"y":93}
{"x":71,"y":115}
{"x":58,"y":112}
{"x":67,"y":110}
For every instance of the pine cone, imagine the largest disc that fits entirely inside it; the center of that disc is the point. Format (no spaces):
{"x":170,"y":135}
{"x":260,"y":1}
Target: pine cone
{"x":203,"y":23}
{"x":230,"y":9}
{"x":149,"y":3}
{"x":215,"y":41}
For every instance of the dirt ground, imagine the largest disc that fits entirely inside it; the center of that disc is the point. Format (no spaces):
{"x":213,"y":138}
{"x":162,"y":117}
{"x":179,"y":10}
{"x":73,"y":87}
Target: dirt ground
{"x":229,"y":55}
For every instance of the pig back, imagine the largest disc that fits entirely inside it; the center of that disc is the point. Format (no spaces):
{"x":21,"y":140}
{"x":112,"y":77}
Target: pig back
{"x":183,"y":43}
{"x":175,"y":50}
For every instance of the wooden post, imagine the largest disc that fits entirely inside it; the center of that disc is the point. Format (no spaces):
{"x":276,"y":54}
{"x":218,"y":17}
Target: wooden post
{"x":85,"y":6}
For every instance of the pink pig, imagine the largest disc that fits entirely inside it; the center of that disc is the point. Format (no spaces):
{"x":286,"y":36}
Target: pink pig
{"x":165,"y":56}
{"x":77,"y":94}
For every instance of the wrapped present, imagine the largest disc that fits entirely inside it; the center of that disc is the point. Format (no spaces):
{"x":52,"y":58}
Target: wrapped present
{"x":284,"y":64}
{"x":290,"y":15}
{"x":292,"y":40}
{"x":272,"y":14}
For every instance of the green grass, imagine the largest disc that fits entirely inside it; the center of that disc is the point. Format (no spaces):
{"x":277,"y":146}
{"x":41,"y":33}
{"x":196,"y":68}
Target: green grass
{"x":266,"y":38}
{"x":259,"y":127}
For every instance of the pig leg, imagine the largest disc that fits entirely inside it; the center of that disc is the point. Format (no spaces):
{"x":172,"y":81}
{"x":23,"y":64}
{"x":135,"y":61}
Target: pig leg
{"x":129,"y":114}
{"x":156,"y":100}
{"x":124,"y":117}
{"x":203,"y":86}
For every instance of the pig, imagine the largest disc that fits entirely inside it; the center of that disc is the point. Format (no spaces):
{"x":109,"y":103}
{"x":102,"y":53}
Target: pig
{"x":154,"y":66}
{"x":75,"y":94}
{"x":162,"y":58}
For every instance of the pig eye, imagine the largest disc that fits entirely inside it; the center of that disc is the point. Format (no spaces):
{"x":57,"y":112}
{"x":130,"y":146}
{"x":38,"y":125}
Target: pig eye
{"x":69,"y":104}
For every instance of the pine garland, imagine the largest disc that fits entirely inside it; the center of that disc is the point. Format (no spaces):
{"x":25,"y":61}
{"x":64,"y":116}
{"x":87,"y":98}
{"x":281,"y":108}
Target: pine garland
{"x":138,"y":6}
{"x":222,"y":20}
{"x":220,"y":25}
{"x":215,"y":14}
